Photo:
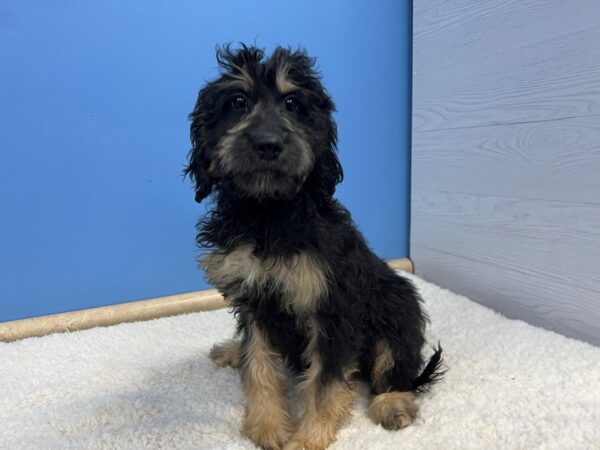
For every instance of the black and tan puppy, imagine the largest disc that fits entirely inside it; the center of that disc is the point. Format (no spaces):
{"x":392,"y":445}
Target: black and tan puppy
{"x":309,"y":295}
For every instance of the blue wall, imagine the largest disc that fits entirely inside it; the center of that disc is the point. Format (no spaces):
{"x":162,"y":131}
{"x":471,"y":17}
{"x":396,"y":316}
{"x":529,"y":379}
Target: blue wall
{"x":94,"y":98}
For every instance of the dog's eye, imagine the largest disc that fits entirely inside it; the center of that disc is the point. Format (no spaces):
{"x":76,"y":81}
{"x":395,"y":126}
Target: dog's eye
{"x":291,"y":103}
{"x":239,"y":102}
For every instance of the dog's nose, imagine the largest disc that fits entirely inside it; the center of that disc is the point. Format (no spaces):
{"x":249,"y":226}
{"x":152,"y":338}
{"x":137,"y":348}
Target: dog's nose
{"x":268,"y":146}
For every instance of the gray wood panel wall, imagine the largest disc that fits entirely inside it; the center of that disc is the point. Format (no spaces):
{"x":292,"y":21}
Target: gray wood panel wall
{"x":506,"y":156}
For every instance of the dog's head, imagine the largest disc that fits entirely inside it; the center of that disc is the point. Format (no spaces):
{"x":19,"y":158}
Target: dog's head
{"x":264,"y":128}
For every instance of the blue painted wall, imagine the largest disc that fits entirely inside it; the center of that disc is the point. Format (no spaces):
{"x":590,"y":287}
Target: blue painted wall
{"x":94,"y":98}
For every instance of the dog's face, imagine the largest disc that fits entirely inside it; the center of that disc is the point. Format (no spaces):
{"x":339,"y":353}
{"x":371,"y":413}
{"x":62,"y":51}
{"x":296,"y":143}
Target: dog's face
{"x":264,"y":128}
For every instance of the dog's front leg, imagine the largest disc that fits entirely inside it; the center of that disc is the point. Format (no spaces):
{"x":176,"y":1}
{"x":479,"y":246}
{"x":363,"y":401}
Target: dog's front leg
{"x":328,"y":401}
{"x":326,"y":407}
{"x":267,"y":421}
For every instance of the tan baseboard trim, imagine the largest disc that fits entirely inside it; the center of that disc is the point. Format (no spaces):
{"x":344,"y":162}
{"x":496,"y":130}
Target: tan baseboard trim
{"x":128,"y":312}
{"x":404,"y":264}
{"x":111,"y":315}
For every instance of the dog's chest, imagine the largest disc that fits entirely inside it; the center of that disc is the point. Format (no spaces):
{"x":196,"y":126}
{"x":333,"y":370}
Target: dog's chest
{"x":299,"y":280}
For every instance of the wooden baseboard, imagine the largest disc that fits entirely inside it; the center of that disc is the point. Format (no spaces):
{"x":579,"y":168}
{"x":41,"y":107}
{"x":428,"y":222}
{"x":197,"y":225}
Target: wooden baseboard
{"x":404,"y":264}
{"x":128,"y":312}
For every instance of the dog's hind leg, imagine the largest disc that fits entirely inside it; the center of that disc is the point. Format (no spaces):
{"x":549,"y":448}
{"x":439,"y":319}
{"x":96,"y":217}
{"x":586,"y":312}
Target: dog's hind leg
{"x":226,"y":353}
{"x":395,"y":384}
{"x":393,"y":404}
{"x":393,"y":410}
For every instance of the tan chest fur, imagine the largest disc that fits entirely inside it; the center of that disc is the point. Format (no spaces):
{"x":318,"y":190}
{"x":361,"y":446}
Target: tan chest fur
{"x":301,"y":279}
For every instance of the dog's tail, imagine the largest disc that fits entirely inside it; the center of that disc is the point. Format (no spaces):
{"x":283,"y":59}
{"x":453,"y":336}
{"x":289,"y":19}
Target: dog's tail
{"x":432,"y":373}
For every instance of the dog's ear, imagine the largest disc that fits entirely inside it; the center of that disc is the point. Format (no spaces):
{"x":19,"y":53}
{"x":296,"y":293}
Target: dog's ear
{"x":198,"y":161}
{"x":327,"y":171}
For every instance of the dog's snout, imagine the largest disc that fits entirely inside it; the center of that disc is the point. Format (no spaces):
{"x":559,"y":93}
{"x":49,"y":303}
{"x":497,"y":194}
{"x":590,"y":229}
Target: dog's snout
{"x":268,"y":146}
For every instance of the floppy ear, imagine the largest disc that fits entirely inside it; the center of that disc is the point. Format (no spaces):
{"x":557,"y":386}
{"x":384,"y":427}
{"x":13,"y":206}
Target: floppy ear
{"x":328,"y":170}
{"x":198,"y":162}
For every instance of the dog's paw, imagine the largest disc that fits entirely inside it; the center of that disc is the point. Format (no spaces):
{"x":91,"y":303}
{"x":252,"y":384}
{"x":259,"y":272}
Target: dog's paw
{"x":226,"y":354}
{"x":394,"y":410}
{"x":302,"y":445}
{"x":266,"y":435}
{"x":311,"y":444}
{"x":313,"y":438}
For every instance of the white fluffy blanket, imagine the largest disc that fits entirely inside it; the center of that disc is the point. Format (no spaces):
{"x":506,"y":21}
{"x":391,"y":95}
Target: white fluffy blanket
{"x":151,"y":385}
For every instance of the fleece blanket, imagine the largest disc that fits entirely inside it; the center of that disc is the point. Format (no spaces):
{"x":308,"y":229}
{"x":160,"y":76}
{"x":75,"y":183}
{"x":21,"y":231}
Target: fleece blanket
{"x":151,"y":384}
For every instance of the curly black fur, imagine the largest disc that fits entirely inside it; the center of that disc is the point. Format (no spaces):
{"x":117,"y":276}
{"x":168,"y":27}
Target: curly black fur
{"x":291,"y":210}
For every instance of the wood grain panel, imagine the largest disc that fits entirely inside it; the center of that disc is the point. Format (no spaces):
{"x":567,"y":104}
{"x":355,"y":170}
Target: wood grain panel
{"x":555,"y":160}
{"x":424,"y":7}
{"x":489,"y":27}
{"x":506,"y":156}
{"x":510,"y":292}
{"x":500,"y":229}
{"x":516,"y":62}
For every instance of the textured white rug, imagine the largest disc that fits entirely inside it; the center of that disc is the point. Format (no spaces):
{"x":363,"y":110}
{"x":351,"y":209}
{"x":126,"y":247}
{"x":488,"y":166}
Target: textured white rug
{"x":151,"y":385}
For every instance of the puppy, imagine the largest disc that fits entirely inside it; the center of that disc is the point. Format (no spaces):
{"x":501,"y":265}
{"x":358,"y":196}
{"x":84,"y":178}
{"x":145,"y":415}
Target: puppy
{"x":310,"y":297}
